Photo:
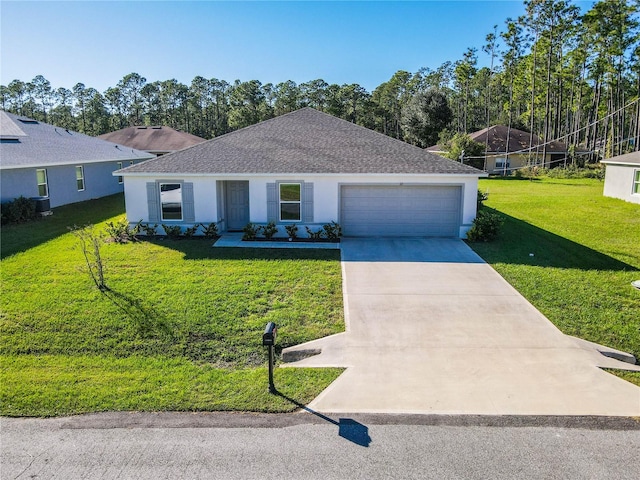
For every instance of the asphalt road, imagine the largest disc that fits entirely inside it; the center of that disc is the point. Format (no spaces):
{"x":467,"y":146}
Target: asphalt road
{"x":306,"y":446}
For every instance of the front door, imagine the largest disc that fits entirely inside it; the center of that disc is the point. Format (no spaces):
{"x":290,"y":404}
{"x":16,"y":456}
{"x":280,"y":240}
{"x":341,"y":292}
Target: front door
{"x":237,"y":201}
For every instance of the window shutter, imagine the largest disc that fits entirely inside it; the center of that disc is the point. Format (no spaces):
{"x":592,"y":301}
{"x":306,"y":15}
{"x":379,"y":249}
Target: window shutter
{"x":152,"y":202}
{"x":189,"y":212}
{"x":307,"y":202}
{"x":272,"y":203}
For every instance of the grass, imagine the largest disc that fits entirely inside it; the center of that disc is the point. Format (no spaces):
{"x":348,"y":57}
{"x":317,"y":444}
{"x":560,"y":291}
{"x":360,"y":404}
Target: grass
{"x":585,"y":252}
{"x":179,"y":329}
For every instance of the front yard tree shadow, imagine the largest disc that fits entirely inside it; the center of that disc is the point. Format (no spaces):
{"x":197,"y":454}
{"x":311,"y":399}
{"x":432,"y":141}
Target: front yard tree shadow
{"x":148,"y":321}
{"x":519,"y":239}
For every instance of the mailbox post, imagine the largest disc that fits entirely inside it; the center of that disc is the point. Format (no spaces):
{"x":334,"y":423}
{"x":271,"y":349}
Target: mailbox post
{"x":269,"y":341}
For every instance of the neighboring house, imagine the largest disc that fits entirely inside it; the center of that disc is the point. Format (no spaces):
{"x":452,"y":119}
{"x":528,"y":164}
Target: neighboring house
{"x":40,"y":160}
{"x":156,"y":140}
{"x":509,"y":149}
{"x":306,"y":168}
{"x":622,"y":177}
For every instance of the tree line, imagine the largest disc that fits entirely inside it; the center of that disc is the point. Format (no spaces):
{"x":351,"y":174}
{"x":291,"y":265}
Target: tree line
{"x":554,"y":72}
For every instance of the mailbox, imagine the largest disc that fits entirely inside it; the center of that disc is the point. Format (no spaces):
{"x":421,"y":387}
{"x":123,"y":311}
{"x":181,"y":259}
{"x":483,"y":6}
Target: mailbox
{"x":269,"y":335}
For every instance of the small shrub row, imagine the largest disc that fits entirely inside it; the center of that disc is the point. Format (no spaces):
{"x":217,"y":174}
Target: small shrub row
{"x":595,"y":171}
{"x":122,"y":231}
{"x":19,"y":210}
{"x":330,"y":231}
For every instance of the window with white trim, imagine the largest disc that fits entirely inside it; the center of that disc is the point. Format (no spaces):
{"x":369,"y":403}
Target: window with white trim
{"x":636,"y":182}
{"x":502,"y":162}
{"x":171,"y":201}
{"x":43,"y":186}
{"x":120,"y":179}
{"x":290,"y":202}
{"x":80,"y":178}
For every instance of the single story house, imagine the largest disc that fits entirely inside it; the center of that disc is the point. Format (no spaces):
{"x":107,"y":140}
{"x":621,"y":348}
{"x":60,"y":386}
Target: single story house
{"x":306,"y":168}
{"x":41,"y":160}
{"x":157,"y":140}
{"x":508,"y":149}
{"x":622,"y":177}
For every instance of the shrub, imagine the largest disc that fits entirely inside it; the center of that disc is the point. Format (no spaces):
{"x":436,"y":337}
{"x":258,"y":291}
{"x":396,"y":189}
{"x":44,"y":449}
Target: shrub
{"x":121,"y":232}
{"x":317,"y":235}
{"x":191,"y":231}
{"x":269,"y":230}
{"x":482,"y":197}
{"x":20,"y":210}
{"x":173,"y":231}
{"x":250,"y":231}
{"x":148,"y":229}
{"x":528,"y":172}
{"x":486,"y":227}
{"x":210,"y":231}
{"x":292,"y":230}
{"x":332,"y":230}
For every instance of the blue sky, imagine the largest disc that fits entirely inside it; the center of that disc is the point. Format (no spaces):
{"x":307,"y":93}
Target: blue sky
{"x":364,"y":42}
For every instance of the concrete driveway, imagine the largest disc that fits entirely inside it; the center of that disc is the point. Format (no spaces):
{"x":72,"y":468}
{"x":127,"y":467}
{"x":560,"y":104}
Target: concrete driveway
{"x":431,"y":328}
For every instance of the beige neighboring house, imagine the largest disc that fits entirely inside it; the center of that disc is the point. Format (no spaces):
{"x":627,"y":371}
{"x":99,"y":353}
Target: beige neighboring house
{"x":622,"y":177}
{"x":157,"y":140}
{"x":510,"y":149}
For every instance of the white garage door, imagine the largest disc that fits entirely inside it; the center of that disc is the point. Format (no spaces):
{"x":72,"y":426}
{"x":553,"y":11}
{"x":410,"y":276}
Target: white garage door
{"x":400,"y":210}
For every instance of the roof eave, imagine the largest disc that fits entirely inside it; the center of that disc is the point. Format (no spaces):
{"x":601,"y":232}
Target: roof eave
{"x":125,"y":173}
{"x":75,"y":162}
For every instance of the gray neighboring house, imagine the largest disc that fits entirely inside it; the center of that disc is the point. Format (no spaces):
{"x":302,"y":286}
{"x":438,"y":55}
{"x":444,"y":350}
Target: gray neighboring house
{"x":622,"y":177}
{"x":158,"y":140}
{"x":306,"y":168}
{"x":41,"y":160}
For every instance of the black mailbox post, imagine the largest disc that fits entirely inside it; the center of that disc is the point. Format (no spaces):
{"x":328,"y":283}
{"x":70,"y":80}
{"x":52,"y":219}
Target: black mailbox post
{"x":269,"y":341}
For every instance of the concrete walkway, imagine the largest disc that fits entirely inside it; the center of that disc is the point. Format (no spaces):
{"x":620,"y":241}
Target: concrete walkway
{"x":431,"y":328}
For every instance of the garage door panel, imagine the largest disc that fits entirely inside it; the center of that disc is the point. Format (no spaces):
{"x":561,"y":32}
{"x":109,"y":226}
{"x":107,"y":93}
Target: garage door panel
{"x":395,"y":210}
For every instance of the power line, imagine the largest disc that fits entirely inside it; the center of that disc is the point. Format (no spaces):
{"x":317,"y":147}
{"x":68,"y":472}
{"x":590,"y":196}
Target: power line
{"x":575,"y":132}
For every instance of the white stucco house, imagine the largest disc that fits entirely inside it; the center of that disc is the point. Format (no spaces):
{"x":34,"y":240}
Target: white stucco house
{"x":622,"y":177}
{"x":307,"y":168}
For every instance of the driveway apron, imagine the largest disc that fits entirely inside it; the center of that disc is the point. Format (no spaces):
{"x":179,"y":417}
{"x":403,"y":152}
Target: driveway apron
{"x":431,"y":328}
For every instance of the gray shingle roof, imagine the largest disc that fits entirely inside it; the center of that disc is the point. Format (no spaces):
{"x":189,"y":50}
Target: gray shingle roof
{"x":306,"y":142}
{"x":632,"y":158}
{"x":495,"y":138}
{"x":153,"y":139}
{"x":44,"y":145}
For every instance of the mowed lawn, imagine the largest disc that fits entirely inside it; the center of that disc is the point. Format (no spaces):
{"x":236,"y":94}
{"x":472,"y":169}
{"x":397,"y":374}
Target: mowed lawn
{"x":573,"y":254}
{"x":180,"y":328}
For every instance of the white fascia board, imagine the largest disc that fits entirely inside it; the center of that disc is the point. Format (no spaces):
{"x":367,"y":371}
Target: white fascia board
{"x":626,"y":164}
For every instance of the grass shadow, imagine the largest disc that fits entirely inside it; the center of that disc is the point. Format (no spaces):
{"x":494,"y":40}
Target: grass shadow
{"x":202,"y":249}
{"x":348,"y":428}
{"x":148,"y":321}
{"x":521,"y":243}
{"x":22,"y":237}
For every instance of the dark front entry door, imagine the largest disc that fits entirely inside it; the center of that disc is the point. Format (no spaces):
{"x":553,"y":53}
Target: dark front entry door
{"x":237,"y":204}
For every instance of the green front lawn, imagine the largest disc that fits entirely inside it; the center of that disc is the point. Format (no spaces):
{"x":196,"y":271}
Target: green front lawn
{"x":586,"y":253}
{"x":180,"y":328}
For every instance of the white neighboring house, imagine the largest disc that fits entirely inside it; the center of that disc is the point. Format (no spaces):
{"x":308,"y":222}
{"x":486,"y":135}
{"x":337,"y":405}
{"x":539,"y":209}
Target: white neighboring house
{"x":306,"y":168}
{"x":58,"y":165}
{"x":622,"y":177}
